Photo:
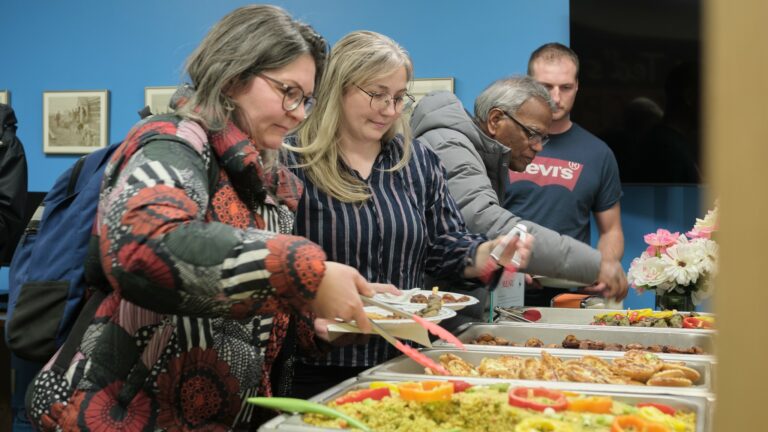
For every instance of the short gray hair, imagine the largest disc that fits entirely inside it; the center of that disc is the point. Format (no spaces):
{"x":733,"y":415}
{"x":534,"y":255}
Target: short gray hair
{"x":509,"y":94}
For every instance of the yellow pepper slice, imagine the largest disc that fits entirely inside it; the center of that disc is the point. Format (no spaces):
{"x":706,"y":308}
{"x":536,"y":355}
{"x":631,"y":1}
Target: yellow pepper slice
{"x":663,"y":314}
{"x":542,"y":424}
{"x":629,"y":312}
{"x":381,"y":384}
{"x":653,"y":414}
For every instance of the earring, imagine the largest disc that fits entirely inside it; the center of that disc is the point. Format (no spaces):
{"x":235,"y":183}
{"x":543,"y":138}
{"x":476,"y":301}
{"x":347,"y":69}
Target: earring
{"x":229,"y":105}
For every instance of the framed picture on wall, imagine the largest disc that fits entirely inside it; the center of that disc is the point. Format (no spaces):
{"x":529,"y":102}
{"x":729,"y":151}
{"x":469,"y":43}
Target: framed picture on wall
{"x":5,"y":97}
{"x":158,"y":99}
{"x":421,"y":86}
{"x":75,"y":122}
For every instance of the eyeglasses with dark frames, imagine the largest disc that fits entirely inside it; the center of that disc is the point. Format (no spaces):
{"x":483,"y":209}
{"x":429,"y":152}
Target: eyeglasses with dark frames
{"x":292,"y":96}
{"x":532,"y":135}
{"x":381,"y":101}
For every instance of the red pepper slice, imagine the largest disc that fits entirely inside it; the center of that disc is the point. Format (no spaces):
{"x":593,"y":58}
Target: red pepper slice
{"x":460,"y":386}
{"x":666,"y":409}
{"x":695,"y":323}
{"x":523,"y":397}
{"x":361,"y":395}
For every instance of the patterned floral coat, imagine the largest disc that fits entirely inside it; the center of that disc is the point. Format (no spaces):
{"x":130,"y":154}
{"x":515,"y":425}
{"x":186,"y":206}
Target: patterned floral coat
{"x":203,"y":283}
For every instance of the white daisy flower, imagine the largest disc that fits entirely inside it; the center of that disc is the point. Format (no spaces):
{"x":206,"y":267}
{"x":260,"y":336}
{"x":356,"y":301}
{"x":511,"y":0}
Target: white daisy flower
{"x":682,"y":263}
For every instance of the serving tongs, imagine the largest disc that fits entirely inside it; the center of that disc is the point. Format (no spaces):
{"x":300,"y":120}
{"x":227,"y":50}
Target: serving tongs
{"x":409,"y":351}
{"x":433,"y":328}
{"x":518,"y":314}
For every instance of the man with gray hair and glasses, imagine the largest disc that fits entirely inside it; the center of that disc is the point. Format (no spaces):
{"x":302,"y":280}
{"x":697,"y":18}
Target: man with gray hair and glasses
{"x":510,"y":126}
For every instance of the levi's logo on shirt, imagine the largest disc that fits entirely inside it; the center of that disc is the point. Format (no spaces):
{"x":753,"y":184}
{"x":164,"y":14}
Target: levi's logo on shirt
{"x":546,"y":171}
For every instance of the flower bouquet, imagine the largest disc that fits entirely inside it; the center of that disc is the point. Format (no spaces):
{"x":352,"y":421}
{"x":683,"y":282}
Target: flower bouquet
{"x":680,"y":268}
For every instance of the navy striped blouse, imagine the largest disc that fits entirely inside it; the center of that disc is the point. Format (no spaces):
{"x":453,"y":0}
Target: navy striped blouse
{"x":410,"y":226}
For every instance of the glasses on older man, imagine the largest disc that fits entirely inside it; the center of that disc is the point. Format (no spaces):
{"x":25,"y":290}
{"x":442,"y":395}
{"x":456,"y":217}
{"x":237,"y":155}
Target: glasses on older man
{"x":381,"y":101}
{"x":532,"y":135}
{"x":292,"y":96}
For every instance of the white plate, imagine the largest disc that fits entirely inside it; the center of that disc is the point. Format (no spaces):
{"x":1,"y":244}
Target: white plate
{"x":405,"y":298}
{"x":444,"y":313}
{"x":558,"y":283}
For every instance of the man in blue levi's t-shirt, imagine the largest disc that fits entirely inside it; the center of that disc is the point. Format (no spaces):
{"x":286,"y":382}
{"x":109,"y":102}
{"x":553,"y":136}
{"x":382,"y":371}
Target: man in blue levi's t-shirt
{"x":574,"y":175}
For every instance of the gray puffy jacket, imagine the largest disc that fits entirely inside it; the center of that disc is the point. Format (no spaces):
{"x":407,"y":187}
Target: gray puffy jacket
{"x":476,"y":166}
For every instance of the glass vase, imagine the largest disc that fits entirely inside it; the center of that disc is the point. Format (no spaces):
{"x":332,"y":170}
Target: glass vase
{"x":675,"y":299}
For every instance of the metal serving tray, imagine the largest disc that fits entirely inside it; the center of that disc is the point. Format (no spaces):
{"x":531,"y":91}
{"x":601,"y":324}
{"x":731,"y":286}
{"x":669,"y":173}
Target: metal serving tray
{"x":699,"y":404}
{"x":586,"y":317}
{"x":556,"y":333}
{"x":405,"y":368}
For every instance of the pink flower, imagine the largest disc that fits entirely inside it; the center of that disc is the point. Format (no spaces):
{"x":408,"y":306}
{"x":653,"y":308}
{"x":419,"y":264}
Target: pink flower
{"x":700,"y":232}
{"x":659,"y":241}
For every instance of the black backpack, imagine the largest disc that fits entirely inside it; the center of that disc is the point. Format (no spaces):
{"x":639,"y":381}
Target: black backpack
{"x":13,"y":184}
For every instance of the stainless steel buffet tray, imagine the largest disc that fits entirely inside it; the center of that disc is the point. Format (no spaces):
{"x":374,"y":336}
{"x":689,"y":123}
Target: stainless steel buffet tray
{"x":556,"y":333}
{"x":700,"y":404}
{"x":405,"y":368}
{"x":586,"y":317}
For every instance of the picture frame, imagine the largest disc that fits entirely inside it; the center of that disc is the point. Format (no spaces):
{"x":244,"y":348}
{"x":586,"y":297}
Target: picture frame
{"x":75,"y":122}
{"x":158,"y":98}
{"x":420,"y":87}
{"x":5,"y":97}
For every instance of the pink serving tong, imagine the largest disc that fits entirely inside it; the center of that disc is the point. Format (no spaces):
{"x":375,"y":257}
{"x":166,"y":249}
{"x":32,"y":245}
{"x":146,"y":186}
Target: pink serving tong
{"x":410,"y":351}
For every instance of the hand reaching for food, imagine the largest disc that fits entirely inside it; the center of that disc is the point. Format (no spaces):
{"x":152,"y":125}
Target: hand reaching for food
{"x":338,"y":295}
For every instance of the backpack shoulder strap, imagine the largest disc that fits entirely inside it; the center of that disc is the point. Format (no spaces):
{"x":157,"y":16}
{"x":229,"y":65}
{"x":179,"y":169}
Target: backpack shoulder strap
{"x":75,"y":175}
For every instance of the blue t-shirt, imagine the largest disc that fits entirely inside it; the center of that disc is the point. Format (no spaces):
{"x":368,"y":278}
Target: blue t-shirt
{"x":576,"y":174}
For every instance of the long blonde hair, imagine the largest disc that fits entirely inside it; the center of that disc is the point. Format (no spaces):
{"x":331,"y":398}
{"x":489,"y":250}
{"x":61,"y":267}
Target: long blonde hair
{"x":357,"y":59}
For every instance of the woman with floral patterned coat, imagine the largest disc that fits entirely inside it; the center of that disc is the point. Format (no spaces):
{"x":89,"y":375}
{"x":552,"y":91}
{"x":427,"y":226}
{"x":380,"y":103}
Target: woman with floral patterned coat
{"x":192,"y":226}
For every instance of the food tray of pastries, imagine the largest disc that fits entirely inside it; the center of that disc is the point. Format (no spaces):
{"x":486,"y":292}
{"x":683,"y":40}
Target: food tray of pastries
{"x":632,"y":371}
{"x":467,"y":411}
{"x":598,"y":338}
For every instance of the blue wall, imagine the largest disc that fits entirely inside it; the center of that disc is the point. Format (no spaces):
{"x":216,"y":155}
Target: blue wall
{"x":124,"y":46}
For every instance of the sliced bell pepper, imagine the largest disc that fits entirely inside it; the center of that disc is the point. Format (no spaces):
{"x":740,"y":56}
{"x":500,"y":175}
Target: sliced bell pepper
{"x":696,"y":323}
{"x":537,"y":399}
{"x":537,"y":424}
{"x":655,"y":427}
{"x":459,"y":386}
{"x":633,"y":423}
{"x":593,"y":404}
{"x":663,"y":314}
{"x":628,"y":423}
{"x":637,"y":314}
{"x":653,"y":414}
{"x":361,"y":395}
{"x":383,"y":384}
{"x":426,"y":391}
{"x":666,"y":409}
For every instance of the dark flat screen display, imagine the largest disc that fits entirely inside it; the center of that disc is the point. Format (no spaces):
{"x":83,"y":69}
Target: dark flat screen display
{"x":639,"y":84}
